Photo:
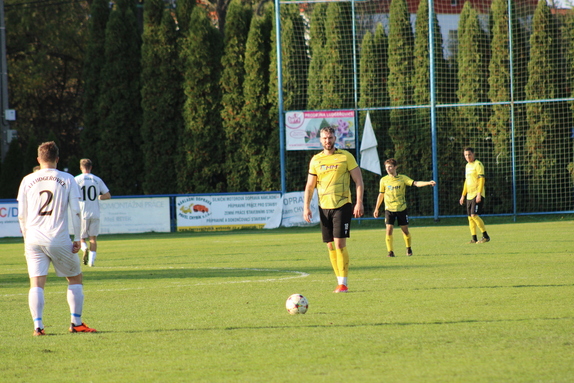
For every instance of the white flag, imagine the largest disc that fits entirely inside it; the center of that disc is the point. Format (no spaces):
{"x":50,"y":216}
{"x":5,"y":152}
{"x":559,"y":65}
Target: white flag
{"x":369,"y":156}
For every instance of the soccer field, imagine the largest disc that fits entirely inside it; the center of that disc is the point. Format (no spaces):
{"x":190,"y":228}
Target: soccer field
{"x":210,"y":307}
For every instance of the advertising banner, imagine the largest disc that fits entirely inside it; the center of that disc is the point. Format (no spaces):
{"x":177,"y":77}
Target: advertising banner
{"x":9,"y":225}
{"x":135,"y":215}
{"x":228,"y":212}
{"x":302,"y":129}
{"x":293,"y":210}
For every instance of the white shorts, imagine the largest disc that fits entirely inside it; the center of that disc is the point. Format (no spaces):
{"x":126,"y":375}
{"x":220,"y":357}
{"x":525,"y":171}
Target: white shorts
{"x":90,"y":227}
{"x":66,"y":263}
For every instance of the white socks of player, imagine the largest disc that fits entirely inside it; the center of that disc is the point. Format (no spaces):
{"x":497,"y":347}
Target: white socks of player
{"x":92,"y":259}
{"x":342,"y":281}
{"x":76,"y":303}
{"x":36,"y":302}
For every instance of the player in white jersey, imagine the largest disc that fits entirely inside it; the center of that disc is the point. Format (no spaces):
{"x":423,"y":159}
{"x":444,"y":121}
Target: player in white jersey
{"x":44,"y":198}
{"x":92,"y":190}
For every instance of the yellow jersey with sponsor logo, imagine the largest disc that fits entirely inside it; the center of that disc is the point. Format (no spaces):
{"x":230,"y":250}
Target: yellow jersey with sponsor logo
{"x":333,"y":177}
{"x":474,"y":171}
{"x":395,"y":189}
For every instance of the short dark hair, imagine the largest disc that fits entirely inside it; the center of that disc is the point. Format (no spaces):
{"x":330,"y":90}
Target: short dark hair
{"x":48,"y":152}
{"x":328,"y":129}
{"x":391,"y":161}
{"x":469,"y":149}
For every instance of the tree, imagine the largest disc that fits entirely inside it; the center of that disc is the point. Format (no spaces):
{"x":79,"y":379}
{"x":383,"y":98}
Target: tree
{"x":295,"y":66}
{"x":547,"y":139}
{"x":257,"y":127}
{"x":12,"y":171}
{"x":400,"y":64}
{"x":337,"y":73}
{"x":373,"y":93}
{"x":472,"y":80}
{"x":119,"y":104}
{"x":162,"y":99}
{"x":232,"y":101}
{"x":201,"y":143}
{"x":317,"y":42}
{"x":93,"y":65}
{"x":45,"y":58}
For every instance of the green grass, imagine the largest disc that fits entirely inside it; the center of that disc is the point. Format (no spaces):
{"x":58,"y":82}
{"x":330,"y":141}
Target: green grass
{"x":209,"y":307}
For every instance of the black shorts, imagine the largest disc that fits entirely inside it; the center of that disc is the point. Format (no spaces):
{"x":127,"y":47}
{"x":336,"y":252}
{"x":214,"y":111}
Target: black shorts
{"x":336,"y":223}
{"x":472,"y":207}
{"x":401,"y":216}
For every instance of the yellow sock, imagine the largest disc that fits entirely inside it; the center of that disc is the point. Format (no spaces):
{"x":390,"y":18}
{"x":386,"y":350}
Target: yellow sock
{"x":333,"y":258}
{"x":480,"y":223}
{"x":472,"y":225}
{"x":343,"y":262}
{"x":407,"y":239}
{"x":389,"y":241}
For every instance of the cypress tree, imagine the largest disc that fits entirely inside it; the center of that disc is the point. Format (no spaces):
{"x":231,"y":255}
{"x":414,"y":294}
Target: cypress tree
{"x":373,"y":93}
{"x":201,"y":145}
{"x":295,"y":66}
{"x":258,"y":127}
{"x":162,"y":99}
{"x":95,"y":61}
{"x":500,"y":91}
{"x":400,"y":62}
{"x":236,"y":30}
{"x":546,"y":139}
{"x":472,"y":79}
{"x":337,"y":71}
{"x":317,"y":44}
{"x":119,"y":103}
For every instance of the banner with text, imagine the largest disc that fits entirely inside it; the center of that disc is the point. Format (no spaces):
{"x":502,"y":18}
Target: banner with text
{"x":228,"y":212}
{"x":9,"y":225}
{"x":293,"y":210}
{"x":303,"y":129}
{"x":135,"y":215}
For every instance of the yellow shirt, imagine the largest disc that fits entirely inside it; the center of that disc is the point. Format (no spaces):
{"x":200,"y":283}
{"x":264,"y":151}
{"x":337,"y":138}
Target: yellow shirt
{"x":395,"y":189}
{"x":474,"y":171}
{"x":333,"y":177}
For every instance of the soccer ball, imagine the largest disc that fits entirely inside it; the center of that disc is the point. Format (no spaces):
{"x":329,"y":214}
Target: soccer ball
{"x":297,"y":304}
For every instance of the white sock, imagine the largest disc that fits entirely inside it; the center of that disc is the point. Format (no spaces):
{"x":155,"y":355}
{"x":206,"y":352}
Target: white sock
{"x":83,"y":246}
{"x":36,"y":302}
{"x":92,"y":257}
{"x":342,"y":280}
{"x":76,"y":303}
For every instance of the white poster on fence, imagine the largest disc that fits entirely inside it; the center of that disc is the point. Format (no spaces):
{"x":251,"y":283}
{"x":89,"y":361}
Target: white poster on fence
{"x":228,"y":212}
{"x":293,"y":209}
{"x":9,"y":225}
{"x":302,"y":128}
{"x":135,"y":215}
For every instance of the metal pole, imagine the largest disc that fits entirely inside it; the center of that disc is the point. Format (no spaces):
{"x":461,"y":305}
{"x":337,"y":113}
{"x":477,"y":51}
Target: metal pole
{"x":4,"y":84}
{"x":433,"y":110}
{"x":512,"y":125}
{"x":280,"y":96}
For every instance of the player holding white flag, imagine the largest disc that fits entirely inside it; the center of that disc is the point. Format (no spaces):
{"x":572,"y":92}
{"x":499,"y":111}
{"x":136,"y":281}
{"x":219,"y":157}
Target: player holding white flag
{"x":369,"y":156}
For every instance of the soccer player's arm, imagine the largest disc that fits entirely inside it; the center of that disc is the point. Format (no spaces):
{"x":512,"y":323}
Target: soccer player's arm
{"x":74,"y":206}
{"x":464,"y":191}
{"x":380,"y":199}
{"x":358,"y":179}
{"x":308,"y":195}
{"x":420,"y":184}
{"x":22,"y":210}
{"x":104,"y":194}
{"x":480,"y":189}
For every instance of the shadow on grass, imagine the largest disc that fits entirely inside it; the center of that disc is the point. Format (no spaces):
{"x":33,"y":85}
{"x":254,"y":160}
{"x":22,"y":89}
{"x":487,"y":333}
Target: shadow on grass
{"x":298,"y":325}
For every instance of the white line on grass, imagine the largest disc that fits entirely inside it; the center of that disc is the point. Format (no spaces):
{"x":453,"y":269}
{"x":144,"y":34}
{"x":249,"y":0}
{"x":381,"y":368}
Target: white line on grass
{"x":299,"y":274}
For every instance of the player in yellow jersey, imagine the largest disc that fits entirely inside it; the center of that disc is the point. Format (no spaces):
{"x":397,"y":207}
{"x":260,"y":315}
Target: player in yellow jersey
{"x":392,"y":191}
{"x":474,"y":191}
{"x":330,"y":172}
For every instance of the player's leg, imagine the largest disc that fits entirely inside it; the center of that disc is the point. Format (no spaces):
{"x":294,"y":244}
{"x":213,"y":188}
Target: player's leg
{"x":38,"y":264}
{"x":390,"y":223}
{"x":341,"y":231}
{"x":403,"y":220}
{"x":84,"y":248}
{"x":479,"y":222}
{"x":93,"y":231}
{"x":470,"y":208}
{"x":67,"y":265}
